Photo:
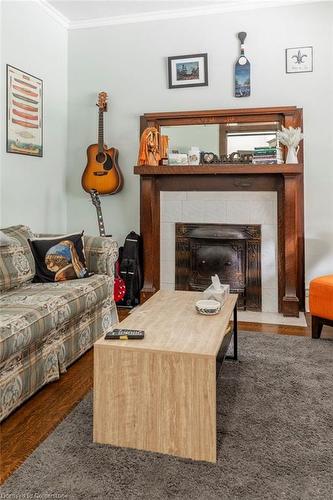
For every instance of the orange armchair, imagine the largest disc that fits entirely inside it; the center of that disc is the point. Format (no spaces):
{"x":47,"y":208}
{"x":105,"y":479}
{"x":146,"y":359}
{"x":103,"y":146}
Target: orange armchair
{"x":321,"y":303}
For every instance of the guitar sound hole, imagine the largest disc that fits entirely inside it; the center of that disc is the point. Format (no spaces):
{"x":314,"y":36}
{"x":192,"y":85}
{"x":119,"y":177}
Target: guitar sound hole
{"x":100,"y":157}
{"x":108,"y":164}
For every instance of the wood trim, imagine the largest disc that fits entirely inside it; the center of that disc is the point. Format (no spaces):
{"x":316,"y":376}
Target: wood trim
{"x":290,"y":303}
{"x":150,"y":231}
{"x":221,"y":169}
{"x":223,"y":140}
{"x":176,"y":115}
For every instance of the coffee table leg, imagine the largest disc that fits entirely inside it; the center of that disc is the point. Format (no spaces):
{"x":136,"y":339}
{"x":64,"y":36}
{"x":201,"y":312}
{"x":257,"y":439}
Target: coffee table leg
{"x":235,"y":334}
{"x":235,"y":331}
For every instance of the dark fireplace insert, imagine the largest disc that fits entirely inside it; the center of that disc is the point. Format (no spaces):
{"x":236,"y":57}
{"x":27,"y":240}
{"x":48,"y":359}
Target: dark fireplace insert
{"x":233,"y":251}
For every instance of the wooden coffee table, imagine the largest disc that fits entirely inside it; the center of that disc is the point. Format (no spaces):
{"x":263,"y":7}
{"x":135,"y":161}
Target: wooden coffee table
{"x":159,"y":393}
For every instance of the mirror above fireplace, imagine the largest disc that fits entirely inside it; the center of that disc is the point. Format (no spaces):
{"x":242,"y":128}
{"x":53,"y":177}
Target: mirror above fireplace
{"x":222,"y":139}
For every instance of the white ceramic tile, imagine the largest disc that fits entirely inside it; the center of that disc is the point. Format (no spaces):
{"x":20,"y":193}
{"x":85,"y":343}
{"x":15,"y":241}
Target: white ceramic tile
{"x":173,"y":195}
{"x":167,"y":230}
{"x":167,"y":248}
{"x":238,"y":212}
{"x":204,"y":195}
{"x":193,"y":211}
{"x":248,"y":195}
{"x":269,"y":278}
{"x":271,"y":318}
{"x":262,"y":212}
{"x":269,"y":256}
{"x":215,"y":212}
{"x":275,"y":211}
{"x":167,"y":271}
{"x":167,"y":286}
{"x":171,"y":211}
{"x":269,"y":232}
{"x":269,"y":300}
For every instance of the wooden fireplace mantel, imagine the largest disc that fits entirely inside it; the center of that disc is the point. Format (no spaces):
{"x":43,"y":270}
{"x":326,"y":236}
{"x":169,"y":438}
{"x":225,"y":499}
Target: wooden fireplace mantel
{"x":285,"y":179}
{"x":225,"y":169}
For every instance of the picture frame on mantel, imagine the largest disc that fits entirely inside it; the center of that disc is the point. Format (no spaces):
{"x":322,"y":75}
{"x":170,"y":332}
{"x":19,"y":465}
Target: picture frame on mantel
{"x":188,"y":71}
{"x":299,"y":60}
{"x":24,"y":131}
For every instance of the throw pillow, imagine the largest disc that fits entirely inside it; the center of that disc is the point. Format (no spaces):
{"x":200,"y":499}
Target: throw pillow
{"x":59,"y":259}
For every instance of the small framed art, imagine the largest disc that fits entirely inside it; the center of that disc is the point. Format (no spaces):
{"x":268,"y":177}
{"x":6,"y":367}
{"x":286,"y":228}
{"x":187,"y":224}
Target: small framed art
{"x":188,"y":71}
{"x":299,"y":60}
{"x":24,"y":113}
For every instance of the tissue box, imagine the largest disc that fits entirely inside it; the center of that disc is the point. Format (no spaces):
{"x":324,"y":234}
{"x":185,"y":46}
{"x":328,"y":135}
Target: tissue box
{"x":220,"y":295}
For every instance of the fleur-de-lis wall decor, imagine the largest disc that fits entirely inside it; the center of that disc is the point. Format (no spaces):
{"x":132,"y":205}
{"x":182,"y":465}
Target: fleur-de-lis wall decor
{"x":299,"y":57}
{"x":299,"y":60}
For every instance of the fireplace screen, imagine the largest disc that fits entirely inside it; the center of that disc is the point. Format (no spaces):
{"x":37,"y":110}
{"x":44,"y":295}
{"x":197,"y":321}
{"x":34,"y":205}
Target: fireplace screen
{"x":231,"y":251}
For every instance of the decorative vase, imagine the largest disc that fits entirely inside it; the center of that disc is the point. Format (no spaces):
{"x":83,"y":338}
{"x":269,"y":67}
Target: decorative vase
{"x":292,"y":155}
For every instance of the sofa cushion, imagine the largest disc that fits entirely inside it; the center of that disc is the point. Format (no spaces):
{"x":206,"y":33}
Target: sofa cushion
{"x":35,"y":310}
{"x":17,"y":265}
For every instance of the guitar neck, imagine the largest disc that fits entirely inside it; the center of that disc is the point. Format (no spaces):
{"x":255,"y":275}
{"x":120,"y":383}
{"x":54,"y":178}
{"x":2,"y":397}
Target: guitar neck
{"x":100,"y":131}
{"x":100,"y":221}
{"x":97,"y":204}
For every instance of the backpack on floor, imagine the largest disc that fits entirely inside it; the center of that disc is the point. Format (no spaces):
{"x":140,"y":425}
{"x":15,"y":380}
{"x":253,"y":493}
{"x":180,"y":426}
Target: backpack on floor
{"x":131,"y":269}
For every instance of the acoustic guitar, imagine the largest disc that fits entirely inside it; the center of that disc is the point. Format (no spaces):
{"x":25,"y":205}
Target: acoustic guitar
{"x":102,"y":172}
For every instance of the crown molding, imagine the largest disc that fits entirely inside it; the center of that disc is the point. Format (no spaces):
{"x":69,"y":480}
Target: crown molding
{"x":54,"y":13}
{"x":236,"y":5}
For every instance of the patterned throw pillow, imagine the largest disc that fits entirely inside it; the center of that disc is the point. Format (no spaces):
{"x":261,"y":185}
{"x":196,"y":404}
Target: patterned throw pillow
{"x":17,"y":265}
{"x":59,"y":259}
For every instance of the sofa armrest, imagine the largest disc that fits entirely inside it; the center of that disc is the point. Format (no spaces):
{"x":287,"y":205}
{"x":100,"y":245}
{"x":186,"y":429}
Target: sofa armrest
{"x":101,"y":254}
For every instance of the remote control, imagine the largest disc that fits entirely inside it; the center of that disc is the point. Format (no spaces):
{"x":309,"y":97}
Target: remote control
{"x":124,"y":334}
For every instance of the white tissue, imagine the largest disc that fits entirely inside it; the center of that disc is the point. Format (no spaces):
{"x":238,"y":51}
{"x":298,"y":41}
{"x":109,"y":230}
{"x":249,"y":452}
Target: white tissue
{"x":216,"y":282}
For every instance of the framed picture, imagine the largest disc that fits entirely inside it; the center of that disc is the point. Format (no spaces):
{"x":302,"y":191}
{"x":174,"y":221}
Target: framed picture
{"x":188,"y":71}
{"x":299,"y":60}
{"x":24,"y":113}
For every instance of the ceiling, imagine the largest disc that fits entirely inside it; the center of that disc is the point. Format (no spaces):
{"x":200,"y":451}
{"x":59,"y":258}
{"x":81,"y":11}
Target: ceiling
{"x":90,"y":13}
{"x":77,"y":10}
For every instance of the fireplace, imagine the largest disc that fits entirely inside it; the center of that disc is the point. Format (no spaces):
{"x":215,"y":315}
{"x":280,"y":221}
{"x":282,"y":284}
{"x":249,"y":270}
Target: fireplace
{"x":233,"y":251}
{"x":286,"y":180}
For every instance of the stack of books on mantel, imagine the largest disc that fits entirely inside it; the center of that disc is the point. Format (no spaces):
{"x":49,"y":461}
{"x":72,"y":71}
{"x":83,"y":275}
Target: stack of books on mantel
{"x":269,"y":155}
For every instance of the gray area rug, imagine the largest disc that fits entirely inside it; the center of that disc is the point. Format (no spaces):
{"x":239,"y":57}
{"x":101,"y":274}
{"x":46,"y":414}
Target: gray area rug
{"x":275,"y":438}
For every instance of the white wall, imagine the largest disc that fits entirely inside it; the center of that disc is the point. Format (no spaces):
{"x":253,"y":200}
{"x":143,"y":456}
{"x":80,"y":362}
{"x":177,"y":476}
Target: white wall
{"x":33,"y":189}
{"x":129,"y":62}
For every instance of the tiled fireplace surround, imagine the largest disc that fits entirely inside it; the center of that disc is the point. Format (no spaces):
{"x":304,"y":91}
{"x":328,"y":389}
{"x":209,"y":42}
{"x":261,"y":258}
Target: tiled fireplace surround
{"x":222,"y":207}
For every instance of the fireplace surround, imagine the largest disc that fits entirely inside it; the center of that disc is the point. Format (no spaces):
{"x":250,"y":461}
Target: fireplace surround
{"x":285,"y":179}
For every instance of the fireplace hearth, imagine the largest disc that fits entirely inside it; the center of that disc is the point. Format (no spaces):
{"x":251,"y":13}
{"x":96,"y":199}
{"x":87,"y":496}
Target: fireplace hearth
{"x":233,"y":251}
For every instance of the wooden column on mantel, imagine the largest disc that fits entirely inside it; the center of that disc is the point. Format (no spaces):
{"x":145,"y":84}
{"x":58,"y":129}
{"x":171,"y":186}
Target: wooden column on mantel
{"x":285,"y":179}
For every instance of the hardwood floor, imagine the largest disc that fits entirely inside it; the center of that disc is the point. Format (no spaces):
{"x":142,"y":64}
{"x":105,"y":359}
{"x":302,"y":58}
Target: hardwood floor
{"x":30,"y":424}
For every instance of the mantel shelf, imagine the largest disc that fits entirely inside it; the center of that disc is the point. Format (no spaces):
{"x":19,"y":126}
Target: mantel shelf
{"x":226,"y":168}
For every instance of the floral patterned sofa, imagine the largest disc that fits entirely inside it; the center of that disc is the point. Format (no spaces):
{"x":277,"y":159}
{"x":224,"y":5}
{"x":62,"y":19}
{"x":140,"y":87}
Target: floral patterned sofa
{"x":44,"y":327}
